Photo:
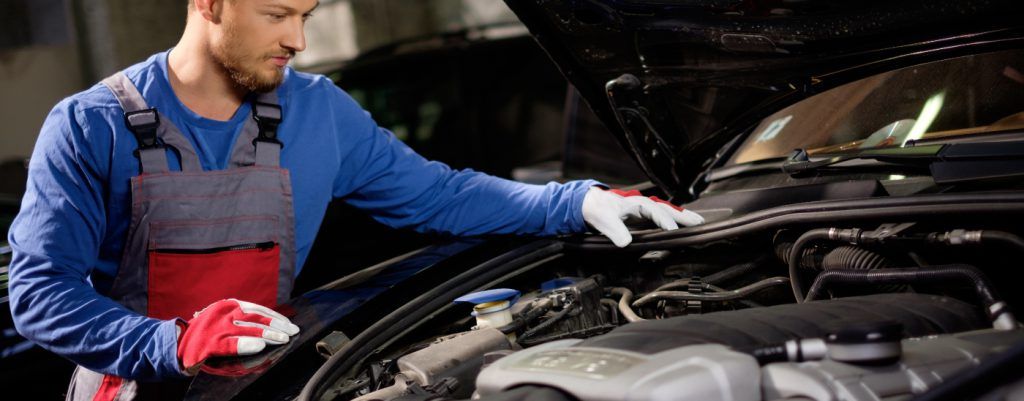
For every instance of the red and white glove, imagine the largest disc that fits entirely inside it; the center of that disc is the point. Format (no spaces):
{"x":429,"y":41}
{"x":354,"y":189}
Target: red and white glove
{"x":230,"y":327}
{"x":605,"y":210}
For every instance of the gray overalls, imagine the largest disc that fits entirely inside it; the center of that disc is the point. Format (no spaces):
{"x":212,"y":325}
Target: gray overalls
{"x":197,"y":236}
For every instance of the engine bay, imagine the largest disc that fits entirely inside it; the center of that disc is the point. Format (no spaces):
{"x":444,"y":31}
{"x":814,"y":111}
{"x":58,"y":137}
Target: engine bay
{"x":851,"y":312}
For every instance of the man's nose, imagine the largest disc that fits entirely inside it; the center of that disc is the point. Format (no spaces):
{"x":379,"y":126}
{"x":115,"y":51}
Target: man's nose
{"x":295,"y":39}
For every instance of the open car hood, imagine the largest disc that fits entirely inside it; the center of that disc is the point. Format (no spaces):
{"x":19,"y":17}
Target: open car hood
{"x":677,"y":80}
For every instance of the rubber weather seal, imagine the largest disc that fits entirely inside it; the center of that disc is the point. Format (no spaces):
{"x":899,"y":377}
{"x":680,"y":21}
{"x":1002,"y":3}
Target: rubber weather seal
{"x":831,"y":212}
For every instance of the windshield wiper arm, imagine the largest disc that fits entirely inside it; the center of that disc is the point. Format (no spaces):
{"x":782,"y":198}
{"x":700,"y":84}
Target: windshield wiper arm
{"x":947,"y":163}
{"x":799,"y":162}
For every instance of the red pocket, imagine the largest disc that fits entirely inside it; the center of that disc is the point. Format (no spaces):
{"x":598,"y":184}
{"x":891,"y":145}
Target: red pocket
{"x":184,"y":281}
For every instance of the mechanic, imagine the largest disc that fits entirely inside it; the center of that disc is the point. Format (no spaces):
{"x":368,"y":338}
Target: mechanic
{"x":198,"y":179}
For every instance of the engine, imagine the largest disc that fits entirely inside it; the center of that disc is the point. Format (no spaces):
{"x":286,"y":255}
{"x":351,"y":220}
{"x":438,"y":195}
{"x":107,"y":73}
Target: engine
{"x":818,"y":313}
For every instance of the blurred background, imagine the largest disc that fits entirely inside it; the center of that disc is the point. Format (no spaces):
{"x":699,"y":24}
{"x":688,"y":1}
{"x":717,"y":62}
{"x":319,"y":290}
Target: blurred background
{"x":461,"y":81}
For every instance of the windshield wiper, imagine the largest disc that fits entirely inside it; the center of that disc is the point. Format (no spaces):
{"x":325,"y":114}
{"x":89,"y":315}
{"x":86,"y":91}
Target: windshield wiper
{"x":799,"y":162}
{"x":948,"y":163}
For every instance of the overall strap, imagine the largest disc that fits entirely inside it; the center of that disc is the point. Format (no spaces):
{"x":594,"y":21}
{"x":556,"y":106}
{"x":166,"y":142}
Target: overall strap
{"x":258,"y":143}
{"x":267,"y":113}
{"x":152,"y":134}
{"x":142,"y":121}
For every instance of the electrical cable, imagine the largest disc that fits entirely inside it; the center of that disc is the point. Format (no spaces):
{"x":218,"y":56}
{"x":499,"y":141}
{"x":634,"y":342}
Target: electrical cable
{"x":558,"y":316}
{"x":531,"y":311}
{"x":718,"y":277}
{"x":712,"y":296}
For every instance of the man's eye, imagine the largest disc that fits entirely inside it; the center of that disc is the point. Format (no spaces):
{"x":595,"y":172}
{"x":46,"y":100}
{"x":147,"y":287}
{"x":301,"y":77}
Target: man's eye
{"x":277,"y":17}
{"x":306,"y":17}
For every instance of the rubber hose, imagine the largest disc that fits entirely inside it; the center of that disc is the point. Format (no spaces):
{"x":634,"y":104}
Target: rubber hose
{"x":624,"y":308}
{"x":613,"y":309}
{"x":1003,"y":237}
{"x":905,"y":276}
{"x":748,"y":303}
{"x":713,"y":296}
{"x":807,"y":260}
{"x":926,"y":206}
{"x":852,"y":257}
{"x":794,"y":258}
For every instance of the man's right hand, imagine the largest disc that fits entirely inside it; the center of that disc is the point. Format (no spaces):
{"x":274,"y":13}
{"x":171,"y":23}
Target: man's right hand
{"x":605,"y":210}
{"x":230,"y":327}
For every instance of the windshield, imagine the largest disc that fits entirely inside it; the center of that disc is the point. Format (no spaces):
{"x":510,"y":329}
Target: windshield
{"x":945,"y":99}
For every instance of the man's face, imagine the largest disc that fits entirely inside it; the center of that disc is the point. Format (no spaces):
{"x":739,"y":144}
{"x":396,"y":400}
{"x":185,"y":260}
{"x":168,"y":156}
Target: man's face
{"x":256,"y":38}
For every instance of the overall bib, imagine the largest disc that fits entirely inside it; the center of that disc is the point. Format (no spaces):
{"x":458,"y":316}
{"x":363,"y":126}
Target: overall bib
{"x":197,"y":236}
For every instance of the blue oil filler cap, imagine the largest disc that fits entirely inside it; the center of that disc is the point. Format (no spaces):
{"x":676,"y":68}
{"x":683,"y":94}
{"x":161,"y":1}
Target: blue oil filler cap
{"x":495,"y":295}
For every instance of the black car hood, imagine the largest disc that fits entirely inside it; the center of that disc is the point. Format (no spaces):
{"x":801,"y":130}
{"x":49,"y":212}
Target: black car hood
{"x":677,"y":80}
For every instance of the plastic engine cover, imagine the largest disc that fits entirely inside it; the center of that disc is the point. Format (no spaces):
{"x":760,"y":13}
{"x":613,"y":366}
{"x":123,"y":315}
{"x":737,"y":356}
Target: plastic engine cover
{"x":698,"y":372}
{"x":705,"y":357}
{"x":748,"y":329}
{"x":926,"y":363}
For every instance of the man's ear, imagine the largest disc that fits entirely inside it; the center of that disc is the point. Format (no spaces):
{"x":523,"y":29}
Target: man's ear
{"x":210,"y":10}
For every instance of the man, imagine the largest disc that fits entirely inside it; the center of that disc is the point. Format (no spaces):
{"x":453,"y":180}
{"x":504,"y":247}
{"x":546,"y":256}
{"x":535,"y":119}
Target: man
{"x":196,"y":181}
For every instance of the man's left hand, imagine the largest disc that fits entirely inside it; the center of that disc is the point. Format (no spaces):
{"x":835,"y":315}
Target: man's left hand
{"x":605,"y":210}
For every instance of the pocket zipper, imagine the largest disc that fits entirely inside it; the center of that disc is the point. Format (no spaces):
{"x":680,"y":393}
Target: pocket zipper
{"x":262,"y":246}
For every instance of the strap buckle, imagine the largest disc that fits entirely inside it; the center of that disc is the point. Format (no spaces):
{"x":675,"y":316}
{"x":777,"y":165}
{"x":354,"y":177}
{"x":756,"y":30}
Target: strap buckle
{"x":144,"y":124}
{"x":268,"y":117}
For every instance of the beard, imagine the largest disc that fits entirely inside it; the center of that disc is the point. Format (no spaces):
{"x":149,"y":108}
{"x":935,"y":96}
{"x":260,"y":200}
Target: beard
{"x":242,"y":67}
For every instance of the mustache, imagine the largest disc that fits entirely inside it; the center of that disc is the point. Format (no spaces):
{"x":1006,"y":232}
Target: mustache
{"x":289,"y":54}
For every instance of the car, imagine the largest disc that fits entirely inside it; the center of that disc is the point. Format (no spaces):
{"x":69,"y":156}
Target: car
{"x":858,"y":164}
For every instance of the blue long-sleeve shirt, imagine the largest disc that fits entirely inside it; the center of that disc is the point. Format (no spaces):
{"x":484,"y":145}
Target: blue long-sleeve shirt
{"x":68,"y":238}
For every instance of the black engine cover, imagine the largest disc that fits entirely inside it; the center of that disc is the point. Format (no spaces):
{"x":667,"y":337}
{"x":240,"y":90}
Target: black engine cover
{"x":748,"y":329}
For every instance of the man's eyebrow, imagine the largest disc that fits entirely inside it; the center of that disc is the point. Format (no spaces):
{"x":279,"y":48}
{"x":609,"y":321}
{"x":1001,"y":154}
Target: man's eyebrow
{"x":291,"y":10}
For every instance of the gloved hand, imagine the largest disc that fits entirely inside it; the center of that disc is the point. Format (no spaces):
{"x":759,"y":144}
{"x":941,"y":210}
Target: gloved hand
{"x":230,"y":327}
{"x":243,"y":365}
{"x":606,"y":209}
